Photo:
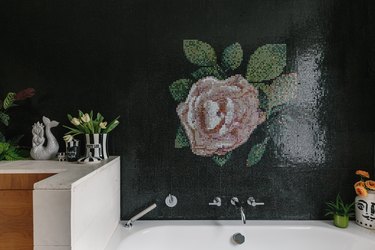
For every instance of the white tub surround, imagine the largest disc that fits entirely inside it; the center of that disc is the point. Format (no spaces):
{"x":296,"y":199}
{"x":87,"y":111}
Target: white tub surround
{"x":78,"y":208}
{"x":259,"y":235}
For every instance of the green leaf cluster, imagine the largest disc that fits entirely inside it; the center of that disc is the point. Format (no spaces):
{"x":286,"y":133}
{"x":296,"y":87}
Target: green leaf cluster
{"x":9,"y":152}
{"x":338,"y":207}
{"x":6,"y":104}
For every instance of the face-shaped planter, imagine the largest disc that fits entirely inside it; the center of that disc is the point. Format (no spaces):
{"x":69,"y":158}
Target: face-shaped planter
{"x":365,"y":210}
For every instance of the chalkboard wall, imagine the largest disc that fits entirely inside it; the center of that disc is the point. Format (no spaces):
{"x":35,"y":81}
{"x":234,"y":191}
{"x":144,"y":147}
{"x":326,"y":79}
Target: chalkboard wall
{"x":121,"y":57}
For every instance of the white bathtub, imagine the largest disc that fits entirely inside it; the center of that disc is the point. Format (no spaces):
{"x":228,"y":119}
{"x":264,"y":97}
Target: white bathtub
{"x":259,"y":235}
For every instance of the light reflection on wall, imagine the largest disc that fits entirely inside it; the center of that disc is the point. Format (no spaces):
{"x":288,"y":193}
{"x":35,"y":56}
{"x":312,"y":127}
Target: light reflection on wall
{"x":301,"y":138}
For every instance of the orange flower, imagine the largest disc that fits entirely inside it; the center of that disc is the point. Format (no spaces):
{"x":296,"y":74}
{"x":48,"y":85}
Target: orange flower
{"x":370,"y":184}
{"x":361,"y":191}
{"x":359,"y":184}
{"x":362,"y":173}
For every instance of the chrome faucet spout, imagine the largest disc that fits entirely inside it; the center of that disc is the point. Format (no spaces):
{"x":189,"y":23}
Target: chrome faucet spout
{"x":243,"y":216}
{"x":129,"y":224}
{"x":235,"y":202}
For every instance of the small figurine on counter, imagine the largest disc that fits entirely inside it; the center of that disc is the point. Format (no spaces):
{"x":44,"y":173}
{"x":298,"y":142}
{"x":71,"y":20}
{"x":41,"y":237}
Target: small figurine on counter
{"x":38,"y":151}
{"x":61,"y":156}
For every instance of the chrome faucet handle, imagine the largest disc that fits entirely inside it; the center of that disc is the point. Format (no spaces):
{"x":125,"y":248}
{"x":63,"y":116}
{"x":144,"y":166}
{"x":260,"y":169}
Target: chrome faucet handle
{"x":171,"y":200}
{"x":235,"y":202}
{"x":251,"y":201}
{"x":215,"y":202}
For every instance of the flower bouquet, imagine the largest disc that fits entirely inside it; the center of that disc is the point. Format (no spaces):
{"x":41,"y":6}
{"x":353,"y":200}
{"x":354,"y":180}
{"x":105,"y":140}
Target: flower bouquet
{"x":95,"y":130}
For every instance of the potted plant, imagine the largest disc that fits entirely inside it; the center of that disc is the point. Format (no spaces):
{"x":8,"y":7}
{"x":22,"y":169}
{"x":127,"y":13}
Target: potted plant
{"x":95,"y":131}
{"x":340,"y":211}
{"x":365,"y":200}
{"x":9,"y":149}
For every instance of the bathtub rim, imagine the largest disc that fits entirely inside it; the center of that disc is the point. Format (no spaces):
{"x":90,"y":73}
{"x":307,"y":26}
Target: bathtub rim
{"x":121,"y":232}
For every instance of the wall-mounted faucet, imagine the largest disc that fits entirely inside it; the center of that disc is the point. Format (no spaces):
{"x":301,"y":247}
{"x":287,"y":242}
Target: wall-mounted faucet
{"x":129,"y":224}
{"x":235,"y":202}
{"x":252,"y":202}
{"x":215,"y":202}
{"x":171,"y":200}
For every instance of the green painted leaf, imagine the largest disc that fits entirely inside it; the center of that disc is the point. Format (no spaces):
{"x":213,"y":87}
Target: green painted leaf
{"x":180,"y":89}
{"x":9,"y":100}
{"x":181,"y":140}
{"x":256,"y":153}
{"x":281,"y":90}
{"x":267,"y":62}
{"x":199,"y":53}
{"x":221,"y":160}
{"x":4,"y":118}
{"x":206,"y":71}
{"x":263,"y":101}
{"x":232,"y":56}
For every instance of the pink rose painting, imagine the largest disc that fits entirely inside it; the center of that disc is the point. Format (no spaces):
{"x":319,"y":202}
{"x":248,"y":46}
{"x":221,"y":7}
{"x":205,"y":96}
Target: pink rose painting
{"x":220,"y":110}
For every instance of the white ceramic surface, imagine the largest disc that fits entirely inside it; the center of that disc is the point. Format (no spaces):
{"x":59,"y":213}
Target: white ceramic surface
{"x":259,"y":235}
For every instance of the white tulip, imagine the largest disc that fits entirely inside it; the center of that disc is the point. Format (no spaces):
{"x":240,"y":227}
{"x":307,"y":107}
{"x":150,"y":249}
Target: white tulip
{"x":103,"y":125}
{"x":86,"y":118}
{"x":68,"y":138}
{"x":75,"y":121}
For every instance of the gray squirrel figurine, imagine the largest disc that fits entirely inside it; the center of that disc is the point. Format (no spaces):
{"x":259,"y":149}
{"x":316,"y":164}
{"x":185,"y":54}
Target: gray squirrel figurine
{"x":38,"y":151}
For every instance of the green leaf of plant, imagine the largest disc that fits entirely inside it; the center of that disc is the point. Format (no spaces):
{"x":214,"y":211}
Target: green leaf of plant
{"x":180,"y":89}
{"x":181,"y":140}
{"x":206,"y":71}
{"x":9,"y":100}
{"x":4,"y":118}
{"x":232,"y":56}
{"x":256,"y":153}
{"x":199,"y":53}
{"x":221,"y":160}
{"x":267,"y":62}
{"x":4,"y":146}
{"x":112,"y":125}
{"x":12,"y":155}
{"x":281,"y":90}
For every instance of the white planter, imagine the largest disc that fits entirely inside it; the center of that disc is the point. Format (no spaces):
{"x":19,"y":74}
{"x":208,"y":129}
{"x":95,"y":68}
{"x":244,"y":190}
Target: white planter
{"x":365,"y":210}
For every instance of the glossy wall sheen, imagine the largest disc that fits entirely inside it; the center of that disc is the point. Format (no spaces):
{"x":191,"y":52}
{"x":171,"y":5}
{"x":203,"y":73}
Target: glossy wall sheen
{"x":119,"y":57}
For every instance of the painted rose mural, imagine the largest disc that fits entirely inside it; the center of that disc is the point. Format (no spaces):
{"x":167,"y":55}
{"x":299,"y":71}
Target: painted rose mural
{"x":220,"y":109}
